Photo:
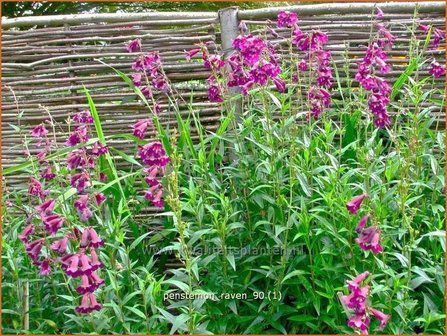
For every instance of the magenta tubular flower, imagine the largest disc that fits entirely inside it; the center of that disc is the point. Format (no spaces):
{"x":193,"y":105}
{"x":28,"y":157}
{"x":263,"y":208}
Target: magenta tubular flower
{"x":45,"y":268}
{"x":52,"y":223}
{"x":90,"y":238}
{"x":79,"y":135}
{"x":437,"y":70}
{"x":41,"y":156}
{"x":39,"y":131}
{"x":46,"y":207}
{"x":33,"y":249}
{"x":27,"y":231}
{"x":355,"y":283}
{"x":437,"y":38}
{"x":100,"y":198}
{"x":83,"y":117}
{"x":246,"y":87}
{"x":161,"y":84}
{"x":35,"y":188}
{"x":47,"y":174}
{"x":152,"y":172}
{"x":287,"y":19}
{"x":84,"y":263}
{"x":213,"y":62}
{"x":95,"y":263}
{"x":154,"y":194}
{"x":191,"y":53}
{"x":359,"y":321}
{"x":88,"y":304}
{"x":86,"y":286}
{"x":214,"y":92}
{"x":386,"y":38}
{"x":80,"y":181}
{"x":83,"y":211}
{"x":136,"y":79}
{"x":140,"y":127}
{"x":383,"y":318}
{"x":250,"y":48}
{"x":146,"y":91}
{"x":354,"y":205}
{"x":279,"y":84}
{"x":77,"y":264}
{"x":361,"y":224}
{"x":102,"y":177}
{"x":424,"y":28}
{"x":133,"y":46}
{"x":319,"y":98}
{"x":98,"y":149}
{"x":379,"y":13}
{"x":153,"y":153}
{"x":157,"y":108}
{"x":357,"y":299}
{"x":369,"y":239}
{"x":89,"y":283}
{"x":375,"y":61}
{"x":60,"y":245}
{"x":375,"y":243}
{"x":76,"y":159}
{"x":303,"y":66}
{"x":300,"y":40}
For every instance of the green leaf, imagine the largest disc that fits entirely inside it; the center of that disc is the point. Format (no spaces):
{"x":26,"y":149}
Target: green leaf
{"x":137,"y":312}
{"x":138,"y":240}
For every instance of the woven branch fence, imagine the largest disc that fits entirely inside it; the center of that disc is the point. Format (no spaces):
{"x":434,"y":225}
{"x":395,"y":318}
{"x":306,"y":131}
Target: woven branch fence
{"x":47,"y":60}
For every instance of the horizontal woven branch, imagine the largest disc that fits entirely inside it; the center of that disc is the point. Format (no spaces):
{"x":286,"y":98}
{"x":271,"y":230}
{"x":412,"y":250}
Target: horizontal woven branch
{"x":156,"y":17}
{"x":346,"y":8}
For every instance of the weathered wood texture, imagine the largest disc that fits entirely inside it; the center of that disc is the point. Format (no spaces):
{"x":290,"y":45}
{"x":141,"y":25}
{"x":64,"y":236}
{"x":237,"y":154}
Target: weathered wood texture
{"x":46,"y":61}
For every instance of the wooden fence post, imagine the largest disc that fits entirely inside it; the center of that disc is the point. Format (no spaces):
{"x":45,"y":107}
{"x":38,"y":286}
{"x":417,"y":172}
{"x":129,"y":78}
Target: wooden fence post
{"x":229,"y":30}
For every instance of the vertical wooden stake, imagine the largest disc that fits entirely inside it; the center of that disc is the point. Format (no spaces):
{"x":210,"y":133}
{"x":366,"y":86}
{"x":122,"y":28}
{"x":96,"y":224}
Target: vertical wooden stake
{"x":229,"y":30}
{"x":26,"y":306}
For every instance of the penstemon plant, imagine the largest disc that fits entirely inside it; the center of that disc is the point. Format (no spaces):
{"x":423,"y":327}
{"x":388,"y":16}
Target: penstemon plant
{"x":314,"y":207}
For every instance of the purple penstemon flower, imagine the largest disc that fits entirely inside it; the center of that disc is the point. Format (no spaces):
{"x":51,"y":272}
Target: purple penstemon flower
{"x":39,"y":131}
{"x":60,"y":246}
{"x":100,"y":198}
{"x":45,"y":267}
{"x":133,"y":46}
{"x":286,"y":19}
{"x":90,"y":238}
{"x":88,"y":304}
{"x":191,"y":53}
{"x":214,"y":90}
{"x":46,"y":207}
{"x":154,"y":194}
{"x":250,"y":48}
{"x":83,"y":210}
{"x":33,"y":249}
{"x":36,"y":189}
{"x":140,"y":127}
{"x":436,"y":69}
{"x":47,"y":174}
{"x":52,"y":223}
{"x":375,"y":62}
{"x":354,"y":205}
{"x":27,"y":231}
{"x":153,"y":153}
{"x":79,"y":135}
{"x":83,"y":117}
{"x":369,"y":239}
{"x":80,"y":181}
{"x":357,"y":302}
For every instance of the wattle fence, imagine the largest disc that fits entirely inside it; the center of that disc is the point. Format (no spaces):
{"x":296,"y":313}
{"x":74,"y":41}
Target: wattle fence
{"x":47,"y":60}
